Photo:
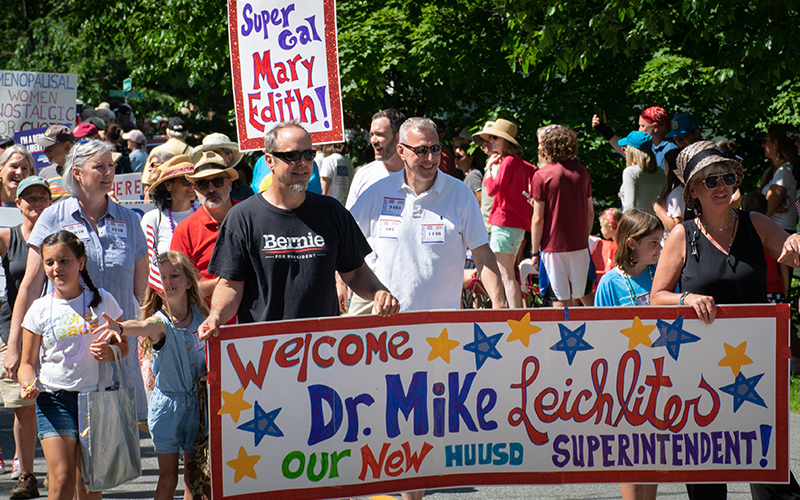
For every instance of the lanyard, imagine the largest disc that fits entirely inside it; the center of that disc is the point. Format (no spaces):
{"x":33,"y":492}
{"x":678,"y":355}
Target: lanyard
{"x":630,"y":285}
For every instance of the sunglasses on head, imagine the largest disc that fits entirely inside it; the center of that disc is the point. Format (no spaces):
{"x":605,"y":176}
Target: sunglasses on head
{"x":712,"y":181}
{"x":292,"y":156}
{"x":423,"y":150}
{"x":202,"y":184}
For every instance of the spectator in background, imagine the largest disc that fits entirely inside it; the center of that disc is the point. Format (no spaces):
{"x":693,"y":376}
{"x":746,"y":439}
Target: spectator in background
{"x":336,"y":172}
{"x":473,"y":177}
{"x":57,"y":142}
{"x":98,"y":123}
{"x":176,"y":144}
{"x":241,"y":189}
{"x":124,"y":115}
{"x":16,"y":164}
{"x":86,"y":131}
{"x":486,"y":200}
{"x":563,"y":215}
{"x":137,"y":144}
{"x":104,"y":113}
{"x":506,"y":181}
{"x":447,"y":164}
{"x":113,"y":136}
{"x":685,"y":130}
{"x":642,"y":180}
{"x":653,"y":121}
{"x":779,"y":184}
{"x":5,"y":142}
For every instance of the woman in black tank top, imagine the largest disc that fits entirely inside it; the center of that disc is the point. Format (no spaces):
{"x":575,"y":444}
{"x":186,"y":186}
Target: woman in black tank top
{"x":718,"y":258}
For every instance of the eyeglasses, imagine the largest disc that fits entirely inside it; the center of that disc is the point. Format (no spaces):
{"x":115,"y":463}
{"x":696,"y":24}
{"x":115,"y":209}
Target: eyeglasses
{"x":492,"y":137}
{"x":712,"y":181}
{"x":186,"y":182}
{"x":458,"y":156}
{"x":218,"y":182}
{"x":423,"y":150}
{"x":32,"y":200}
{"x":293,"y":156}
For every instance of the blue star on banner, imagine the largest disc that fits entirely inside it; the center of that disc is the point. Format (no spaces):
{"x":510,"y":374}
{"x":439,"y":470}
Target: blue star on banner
{"x":744,"y":389}
{"x":571,"y":341}
{"x":263,"y":424}
{"x":484,"y":347}
{"x":672,"y":336}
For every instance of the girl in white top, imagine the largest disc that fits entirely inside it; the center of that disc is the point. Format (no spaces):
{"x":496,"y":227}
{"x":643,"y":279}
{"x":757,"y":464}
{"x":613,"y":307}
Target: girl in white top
{"x":58,"y":337}
{"x":173,"y":195}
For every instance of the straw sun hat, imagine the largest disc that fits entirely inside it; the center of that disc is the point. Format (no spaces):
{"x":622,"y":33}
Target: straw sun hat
{"x":501,"y":128}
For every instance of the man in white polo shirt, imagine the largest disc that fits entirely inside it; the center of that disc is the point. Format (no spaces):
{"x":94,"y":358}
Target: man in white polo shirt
{"x":420,"y":224}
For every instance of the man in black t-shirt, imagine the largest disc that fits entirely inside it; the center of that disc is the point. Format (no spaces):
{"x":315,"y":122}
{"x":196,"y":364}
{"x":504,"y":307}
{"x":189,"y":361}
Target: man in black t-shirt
{"x":277,"y":252}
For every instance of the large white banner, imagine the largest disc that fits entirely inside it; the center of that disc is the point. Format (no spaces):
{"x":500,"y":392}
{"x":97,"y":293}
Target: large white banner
{"x":34,"y":100}
{"x":344,"y":407}
{"x":284,"y":63}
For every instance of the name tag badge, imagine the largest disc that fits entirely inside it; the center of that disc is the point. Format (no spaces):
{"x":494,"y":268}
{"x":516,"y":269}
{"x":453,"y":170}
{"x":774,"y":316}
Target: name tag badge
{"x":116,"y":228}
{"x":432,"y":233}
{"x":78,"y":229}
{"x":393,"y":207}
{"x":643,"y":300}
{"x":388,"y":228}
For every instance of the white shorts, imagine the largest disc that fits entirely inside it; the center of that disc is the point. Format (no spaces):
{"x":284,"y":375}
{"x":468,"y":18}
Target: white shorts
{"x":563,"y":268}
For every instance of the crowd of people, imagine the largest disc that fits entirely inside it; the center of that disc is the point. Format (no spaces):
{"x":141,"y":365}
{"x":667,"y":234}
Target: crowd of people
{"x":305,"y":234}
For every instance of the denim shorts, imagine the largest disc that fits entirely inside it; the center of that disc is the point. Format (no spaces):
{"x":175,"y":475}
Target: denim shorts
{"x":57,"y":414}
{"x":174,"y":421}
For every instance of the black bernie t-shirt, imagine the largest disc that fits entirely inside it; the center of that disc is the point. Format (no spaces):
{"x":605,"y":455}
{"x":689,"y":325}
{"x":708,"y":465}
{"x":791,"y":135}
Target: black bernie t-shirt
{"x":287,"y":258}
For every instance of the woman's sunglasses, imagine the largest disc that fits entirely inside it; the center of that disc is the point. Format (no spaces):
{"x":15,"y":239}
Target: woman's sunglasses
{"x":712,"y":181}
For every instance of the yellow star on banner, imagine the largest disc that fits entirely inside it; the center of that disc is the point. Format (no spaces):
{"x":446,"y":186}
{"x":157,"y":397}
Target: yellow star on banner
{"x":638,"y":334}
{"x":234,"y":404}
{"x":441,"y":346}
{"x":244,"y":465}
{"x":522,"y":330}
{"x":735,"y":357}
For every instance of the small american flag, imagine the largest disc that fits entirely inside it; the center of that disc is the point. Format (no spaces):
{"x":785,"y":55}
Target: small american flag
{"x":154,"y":277}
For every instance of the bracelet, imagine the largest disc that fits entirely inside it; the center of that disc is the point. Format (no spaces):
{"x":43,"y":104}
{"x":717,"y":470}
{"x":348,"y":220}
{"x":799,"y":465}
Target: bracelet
{"x":683,"y":296}
{"x":537,"y":254}
{"x":121,"y":329}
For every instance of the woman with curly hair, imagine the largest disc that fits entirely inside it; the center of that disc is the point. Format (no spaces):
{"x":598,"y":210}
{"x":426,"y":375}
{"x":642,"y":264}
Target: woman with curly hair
{"x":563,"y":215}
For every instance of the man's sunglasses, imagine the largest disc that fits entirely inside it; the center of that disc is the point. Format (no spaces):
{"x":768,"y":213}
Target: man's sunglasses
{"x":712,"y":181}
{"x":423,"y":150}
{"x":293,"y":156}
{"x":202,"y":184}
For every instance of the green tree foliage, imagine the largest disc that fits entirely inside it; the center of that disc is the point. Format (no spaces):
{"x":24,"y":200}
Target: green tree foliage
{"x":732,"y":63}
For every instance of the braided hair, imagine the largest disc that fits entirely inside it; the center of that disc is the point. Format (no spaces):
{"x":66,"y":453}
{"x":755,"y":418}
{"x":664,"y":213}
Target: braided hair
{"x":77,"y":247}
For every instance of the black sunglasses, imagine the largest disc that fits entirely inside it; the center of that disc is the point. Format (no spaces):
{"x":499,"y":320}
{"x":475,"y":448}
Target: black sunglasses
{"x":712,"y":181}
{"x":186,"y":182}
{"x":202,"y":184}
{"x":423,"y":150}
{"x":293,"y":156}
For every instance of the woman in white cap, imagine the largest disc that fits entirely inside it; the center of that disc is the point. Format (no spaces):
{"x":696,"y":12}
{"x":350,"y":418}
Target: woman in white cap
{"x":16,"y":163}
{"x":506,"y":181}
{"x":718,"y":258}
{"x":174,"y":198}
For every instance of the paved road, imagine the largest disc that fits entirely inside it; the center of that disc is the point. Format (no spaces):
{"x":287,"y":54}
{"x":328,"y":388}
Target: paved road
{"x":146,"y":485}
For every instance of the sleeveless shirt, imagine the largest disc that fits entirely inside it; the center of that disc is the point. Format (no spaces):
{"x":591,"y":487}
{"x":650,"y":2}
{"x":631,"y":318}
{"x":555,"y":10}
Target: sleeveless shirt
{"x":738,"y":278}
{"x":14,"y":267}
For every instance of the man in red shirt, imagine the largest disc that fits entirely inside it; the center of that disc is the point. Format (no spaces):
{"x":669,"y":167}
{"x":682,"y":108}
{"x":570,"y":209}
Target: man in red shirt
{"x":196,"y":236}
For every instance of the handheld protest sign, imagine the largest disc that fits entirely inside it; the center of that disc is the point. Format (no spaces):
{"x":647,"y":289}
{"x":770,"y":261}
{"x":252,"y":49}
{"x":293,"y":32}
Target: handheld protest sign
{"x":284,"y":63}
{"x":352,"y":406}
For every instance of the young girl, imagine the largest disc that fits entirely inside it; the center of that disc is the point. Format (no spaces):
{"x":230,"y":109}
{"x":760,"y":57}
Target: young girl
{"x":58,"y":333}
{"x":603,"y":249}
{"x":174,"y":415}
{"x":638,"y":248}
{"x":629,"y":284}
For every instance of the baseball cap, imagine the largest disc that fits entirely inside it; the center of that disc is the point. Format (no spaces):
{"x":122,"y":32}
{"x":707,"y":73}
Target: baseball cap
{"x":33,"y":180}
{"x":683,"y":124}
{"x":176,"y":123}
{"x":55,"y":134}
{"x":6,"y":141}
{"x":135,"y":135}
{"x":638,"y":140}
{"x":84,"y":129}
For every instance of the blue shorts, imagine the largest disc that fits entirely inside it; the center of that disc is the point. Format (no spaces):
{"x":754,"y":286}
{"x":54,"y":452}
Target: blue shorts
{"x":174,"y":421}
{"x":57,"y":414}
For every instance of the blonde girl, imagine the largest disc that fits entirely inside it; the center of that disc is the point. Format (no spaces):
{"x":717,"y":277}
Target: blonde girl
{"x":642,"y":180}
{"x":179,"y":364}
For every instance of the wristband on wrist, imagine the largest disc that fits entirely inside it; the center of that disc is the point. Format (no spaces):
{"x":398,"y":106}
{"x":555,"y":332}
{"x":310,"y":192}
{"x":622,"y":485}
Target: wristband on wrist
{"x":121,"y":329}
{"x":683,"y":296}
{"x":537,"y":254}
{"x":603,"y":129}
